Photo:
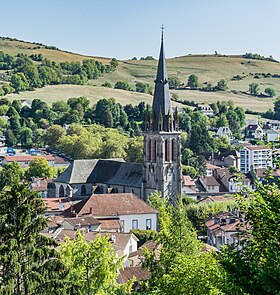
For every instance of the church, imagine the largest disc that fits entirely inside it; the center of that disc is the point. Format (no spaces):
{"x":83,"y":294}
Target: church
{"x":161,"y":167}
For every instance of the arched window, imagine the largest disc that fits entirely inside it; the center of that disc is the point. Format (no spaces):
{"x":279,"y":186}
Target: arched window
{"x":155,"y":150}
{"x":173,"y":150}
{"x":166,"y":151}
{"x":115,"y":190}
{"x":83,"y":190}
{"x":61,"y":191}
{"x":149,"y":150}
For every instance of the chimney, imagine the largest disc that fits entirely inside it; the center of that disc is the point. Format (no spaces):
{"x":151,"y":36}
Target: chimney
{"x":90,"y":210}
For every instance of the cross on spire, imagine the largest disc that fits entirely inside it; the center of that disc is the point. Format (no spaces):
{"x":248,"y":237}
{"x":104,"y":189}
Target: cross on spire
{"x":162,"y":28}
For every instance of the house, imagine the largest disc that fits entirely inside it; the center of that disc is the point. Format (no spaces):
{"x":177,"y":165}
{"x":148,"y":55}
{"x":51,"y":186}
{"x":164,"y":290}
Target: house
{"x":25,"y":103}
{"x":132,"y":212}
{"x":224,"y":159}
{"x":233,"y":182}
{"x":210,"y":184}
{"x":271,"y":125}
{"x":222,"y":229}
{"x":272,"y":135}
{"x":85,"y":222}
{"x":137,"y":257}
{"x":224,"y":131}
{"x":188,"y":185}
{"x":25,"y":160}
{"x":253,"y":157}
{"x":56,"y":206}
{"x":206,"y":109}
{"x":85,"y":177}
{"x":210,"y":168}
{"x":253,"y":131}
{"x":40,"y":185}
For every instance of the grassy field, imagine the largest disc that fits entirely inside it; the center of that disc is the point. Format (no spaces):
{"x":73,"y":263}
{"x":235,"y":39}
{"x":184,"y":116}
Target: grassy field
{"x":208,"y":68}
{"x":50,"y":94}
{"x":13,"y":47}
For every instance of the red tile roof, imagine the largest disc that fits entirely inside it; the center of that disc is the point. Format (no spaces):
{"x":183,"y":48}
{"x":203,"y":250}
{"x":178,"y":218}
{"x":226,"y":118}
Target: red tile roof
{"x":53,"y":204}
{"x":257,"y":147}
{"x":40,"y":184}
{"x":27,"y":158}
{"x":111,"y":205}
{"x":110,"y":224}
{"x":137,"y":272}
{"x":188,"y":181}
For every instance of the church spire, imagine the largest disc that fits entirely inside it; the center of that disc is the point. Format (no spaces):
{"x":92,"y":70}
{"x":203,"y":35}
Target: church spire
{"x":161,"y":102}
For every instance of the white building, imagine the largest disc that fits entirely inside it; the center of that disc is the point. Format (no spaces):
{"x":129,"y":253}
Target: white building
{"x":132,"y":212}
{"x":272,"y":135}
{"x":254,"y":157}
{"x":206,"y":109}
{"x":224,"y":131}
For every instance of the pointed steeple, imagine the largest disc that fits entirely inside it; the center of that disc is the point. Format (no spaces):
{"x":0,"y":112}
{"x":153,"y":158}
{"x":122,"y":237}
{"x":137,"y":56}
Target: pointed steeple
{"x":161,"y":102}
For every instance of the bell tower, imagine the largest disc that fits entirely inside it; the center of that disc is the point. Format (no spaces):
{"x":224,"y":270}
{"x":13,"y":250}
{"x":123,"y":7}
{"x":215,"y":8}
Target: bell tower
{"x":162,"y":144}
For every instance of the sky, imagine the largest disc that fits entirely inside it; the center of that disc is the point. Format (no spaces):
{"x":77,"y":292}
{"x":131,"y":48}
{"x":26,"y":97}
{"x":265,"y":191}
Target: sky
{"x":127,"y":28}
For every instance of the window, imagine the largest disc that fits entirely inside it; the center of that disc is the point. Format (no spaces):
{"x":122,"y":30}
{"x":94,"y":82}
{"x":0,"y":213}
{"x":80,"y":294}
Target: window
{"x":122,"y":225}
{"x":166,"y":150}
{"x":155,"y":151}
{"x":149,"y":150}
{"x":173,"y":150}
{"x":148,"y":223}
{"x":134,"y":223}
{"x":61,"y":191}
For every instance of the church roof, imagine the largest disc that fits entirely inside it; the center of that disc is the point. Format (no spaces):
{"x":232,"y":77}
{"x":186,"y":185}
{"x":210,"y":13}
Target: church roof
{"x":161,"y":102}
{"x":115,"y":172}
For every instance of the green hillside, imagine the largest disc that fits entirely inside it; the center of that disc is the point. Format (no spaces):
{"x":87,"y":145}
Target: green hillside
{"x":208,"y":68}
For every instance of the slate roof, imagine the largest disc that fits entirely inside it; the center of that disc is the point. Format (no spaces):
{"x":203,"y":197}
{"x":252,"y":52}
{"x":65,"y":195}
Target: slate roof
{"x":112,"y":172}
{"x":161,"y":102}
{"x":110,"y":205}
{"x":78,"y":172}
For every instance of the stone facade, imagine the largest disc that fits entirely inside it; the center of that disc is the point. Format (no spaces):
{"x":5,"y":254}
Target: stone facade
{"x":162,"y":145}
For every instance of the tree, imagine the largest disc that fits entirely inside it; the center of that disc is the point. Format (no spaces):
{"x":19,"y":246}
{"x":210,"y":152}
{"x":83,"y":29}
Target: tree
{"x":92,"y":266}
{"x":181,"y":267}
{"x":221,"y":85}
{"x":17,"y":105}
{"x":29,"y":261}
{"x":11,"y":140}
{"x":10,"y":173}
{"x":142,"y":87}
{"x":53,"y":135}
{"x":193,"y":81}
{"x":114,"y":63}
{"x":19,"y":82}
{"x":135,"y":150}
{"x":26,"y":137}
{"x":174,"y":82}
{"x":39,"y":167}
{"x":277,"y":109}
{"x":123,"y":85}
{"x":256,"y":268}
{"x":254,"y":89}
{"x":270,"y":91}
